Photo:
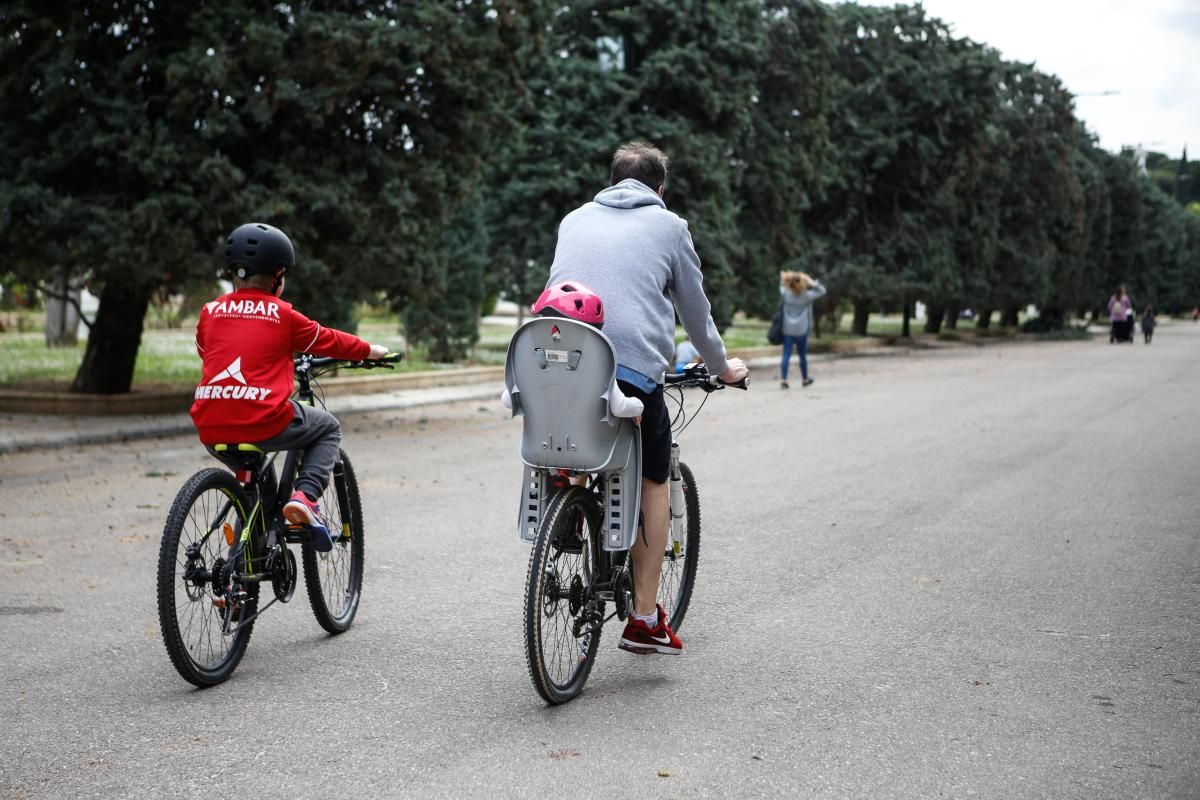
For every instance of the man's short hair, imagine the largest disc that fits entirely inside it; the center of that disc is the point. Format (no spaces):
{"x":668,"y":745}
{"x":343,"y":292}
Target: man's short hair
{"x":639,"y":161}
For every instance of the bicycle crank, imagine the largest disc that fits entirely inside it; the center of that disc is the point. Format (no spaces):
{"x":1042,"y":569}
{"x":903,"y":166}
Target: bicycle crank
{"x":283,"y":575}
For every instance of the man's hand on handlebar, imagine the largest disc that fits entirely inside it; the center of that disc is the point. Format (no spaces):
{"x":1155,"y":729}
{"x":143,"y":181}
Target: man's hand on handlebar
{"x":735,"y":371}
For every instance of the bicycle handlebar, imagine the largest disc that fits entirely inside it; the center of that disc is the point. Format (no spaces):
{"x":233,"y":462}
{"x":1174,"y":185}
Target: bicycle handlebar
{"x":386,"y":362}
{"x":698,"y":375}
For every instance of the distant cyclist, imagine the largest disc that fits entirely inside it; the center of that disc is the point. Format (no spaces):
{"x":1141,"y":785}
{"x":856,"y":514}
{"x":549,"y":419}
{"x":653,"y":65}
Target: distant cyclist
{"x":639,"y":257}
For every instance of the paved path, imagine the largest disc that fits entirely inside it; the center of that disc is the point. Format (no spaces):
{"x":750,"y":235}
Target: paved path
{"x":949,"y":574}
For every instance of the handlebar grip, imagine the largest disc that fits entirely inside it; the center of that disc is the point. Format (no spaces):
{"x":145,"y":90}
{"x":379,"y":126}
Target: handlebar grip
{"x":742,"y":384}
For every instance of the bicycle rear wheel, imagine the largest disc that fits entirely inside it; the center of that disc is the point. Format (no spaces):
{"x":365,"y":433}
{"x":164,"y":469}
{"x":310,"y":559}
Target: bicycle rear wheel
{"x":560,"y":638}
{"x":334,"y":579}
{"x":681,"y":558}
{"x":197,"y":610}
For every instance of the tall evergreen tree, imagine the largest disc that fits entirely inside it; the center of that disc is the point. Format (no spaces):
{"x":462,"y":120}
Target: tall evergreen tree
{"x":786,"y":150}
{"x":356,"y":127}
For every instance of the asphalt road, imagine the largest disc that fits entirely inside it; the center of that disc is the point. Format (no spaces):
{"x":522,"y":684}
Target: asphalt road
{"x":959,"y":573}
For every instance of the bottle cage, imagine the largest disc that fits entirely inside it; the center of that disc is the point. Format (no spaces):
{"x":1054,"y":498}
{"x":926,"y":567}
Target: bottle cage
{"x":558,"y":373}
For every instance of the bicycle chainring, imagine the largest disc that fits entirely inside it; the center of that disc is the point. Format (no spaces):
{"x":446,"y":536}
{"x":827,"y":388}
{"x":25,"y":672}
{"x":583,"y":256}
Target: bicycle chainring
{"x":623,"y":594}
{"x":283,"y":575}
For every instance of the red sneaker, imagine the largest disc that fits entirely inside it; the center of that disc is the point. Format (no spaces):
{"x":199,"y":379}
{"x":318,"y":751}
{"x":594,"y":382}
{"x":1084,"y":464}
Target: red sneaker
{"x":302,"y":511}
{"x":638,"y":637}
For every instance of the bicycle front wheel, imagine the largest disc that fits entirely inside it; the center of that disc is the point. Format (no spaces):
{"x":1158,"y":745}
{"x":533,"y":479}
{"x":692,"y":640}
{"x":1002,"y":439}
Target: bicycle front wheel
{"x":334,"y":579}
{"x":199,"y":609}
{"x":561,"y":637}
{"x":681,"y":558}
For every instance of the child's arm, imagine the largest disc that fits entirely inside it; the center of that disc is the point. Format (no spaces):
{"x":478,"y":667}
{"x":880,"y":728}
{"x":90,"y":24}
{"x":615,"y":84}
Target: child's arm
{"x":313,"y":338}
{"x":623,"y":406}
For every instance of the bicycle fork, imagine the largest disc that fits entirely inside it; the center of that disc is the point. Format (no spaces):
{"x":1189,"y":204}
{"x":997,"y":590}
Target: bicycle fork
{"x":678,"y":524}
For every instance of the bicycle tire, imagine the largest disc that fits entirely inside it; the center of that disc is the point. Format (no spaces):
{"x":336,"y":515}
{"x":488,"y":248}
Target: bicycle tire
{"x":558,"y":663}
{"x":678,"y":575}
{"x":197,"y":510}
{"x":334,"y":579}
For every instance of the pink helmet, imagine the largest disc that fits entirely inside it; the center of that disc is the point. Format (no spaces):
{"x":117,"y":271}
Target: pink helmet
{"x":572,"y":300}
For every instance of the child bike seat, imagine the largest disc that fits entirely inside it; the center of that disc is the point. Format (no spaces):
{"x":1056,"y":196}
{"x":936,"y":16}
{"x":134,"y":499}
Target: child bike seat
{"x":558,"y":372}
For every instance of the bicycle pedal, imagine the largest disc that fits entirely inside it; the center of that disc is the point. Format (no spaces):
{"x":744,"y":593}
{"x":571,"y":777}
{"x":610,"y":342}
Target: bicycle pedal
{"x":297,"y":534}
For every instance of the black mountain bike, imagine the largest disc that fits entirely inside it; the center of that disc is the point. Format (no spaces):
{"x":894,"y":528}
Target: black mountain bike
{"x":225,"y":536}
{"x":572,"y":578}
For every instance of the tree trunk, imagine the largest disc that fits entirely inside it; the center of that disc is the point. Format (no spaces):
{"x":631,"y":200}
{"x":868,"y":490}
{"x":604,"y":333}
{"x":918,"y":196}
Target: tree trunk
{"x":933,"y":318}
{"x":905,"y":329}
{"x":952,"y":317}
{"x":1011,"y":317}
{"x":862,"y":312}
{"x":113,"y":341}
{"x":62,"y":316}
{"x":983,"y":318}
{"x":1053,"y":319}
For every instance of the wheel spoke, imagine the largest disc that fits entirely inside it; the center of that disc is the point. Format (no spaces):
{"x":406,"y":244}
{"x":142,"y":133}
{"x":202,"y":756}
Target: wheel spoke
{"x":559,"y":659}
{"x":334,"y":578}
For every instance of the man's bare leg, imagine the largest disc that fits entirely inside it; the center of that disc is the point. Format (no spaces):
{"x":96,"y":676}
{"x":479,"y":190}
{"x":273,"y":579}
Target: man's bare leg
{"x":648,"y":550}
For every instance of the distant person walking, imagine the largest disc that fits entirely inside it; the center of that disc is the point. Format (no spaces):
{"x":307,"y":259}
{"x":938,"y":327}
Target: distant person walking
{"x":1119,"y":308}
{"x":1148,"y":323}
{"x":798,"y":291}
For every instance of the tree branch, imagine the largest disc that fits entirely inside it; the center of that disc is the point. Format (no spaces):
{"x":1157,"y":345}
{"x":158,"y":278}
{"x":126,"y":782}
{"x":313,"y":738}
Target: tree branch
{"x":55,"y":295}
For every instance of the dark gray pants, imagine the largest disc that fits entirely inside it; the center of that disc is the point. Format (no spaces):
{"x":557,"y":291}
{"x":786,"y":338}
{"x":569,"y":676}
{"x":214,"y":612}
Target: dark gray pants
{"x":317,"y":435}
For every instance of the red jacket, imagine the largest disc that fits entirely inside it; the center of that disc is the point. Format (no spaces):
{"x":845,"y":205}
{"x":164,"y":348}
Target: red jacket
{"x":246,"y":339}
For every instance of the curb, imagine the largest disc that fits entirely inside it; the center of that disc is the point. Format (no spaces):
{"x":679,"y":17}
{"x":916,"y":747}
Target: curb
{"x":109,"y":430}
{"x":15,"y":401}
{"x":364,"y":394}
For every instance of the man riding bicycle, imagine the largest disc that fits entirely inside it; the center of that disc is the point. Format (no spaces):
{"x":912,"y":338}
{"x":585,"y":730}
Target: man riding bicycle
{"x":639,"y":258}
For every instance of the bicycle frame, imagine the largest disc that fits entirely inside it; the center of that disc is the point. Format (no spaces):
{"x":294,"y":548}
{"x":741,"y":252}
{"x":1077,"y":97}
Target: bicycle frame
{"x":613,"y":581}
{"x":265,"y":528}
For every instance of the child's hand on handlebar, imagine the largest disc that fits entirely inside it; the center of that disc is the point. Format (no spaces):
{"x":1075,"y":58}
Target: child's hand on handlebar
{"x":735,"y":371}
{"x":378,"y":351}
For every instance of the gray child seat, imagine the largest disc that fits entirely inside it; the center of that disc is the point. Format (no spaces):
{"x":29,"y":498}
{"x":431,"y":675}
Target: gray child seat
{"x":558,"y":373}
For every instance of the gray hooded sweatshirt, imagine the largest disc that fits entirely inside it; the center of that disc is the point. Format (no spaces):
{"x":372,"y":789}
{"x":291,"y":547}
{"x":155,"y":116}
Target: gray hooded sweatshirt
{"x":639,"y":258}
{"x":797,"y":309}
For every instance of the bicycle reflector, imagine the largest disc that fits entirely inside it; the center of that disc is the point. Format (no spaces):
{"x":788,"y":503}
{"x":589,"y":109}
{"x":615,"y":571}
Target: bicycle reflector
{"x":244,"y":476}
{"x":228,"y":534}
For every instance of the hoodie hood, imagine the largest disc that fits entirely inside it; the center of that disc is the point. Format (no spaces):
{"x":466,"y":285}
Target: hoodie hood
{"x":629,"y":193}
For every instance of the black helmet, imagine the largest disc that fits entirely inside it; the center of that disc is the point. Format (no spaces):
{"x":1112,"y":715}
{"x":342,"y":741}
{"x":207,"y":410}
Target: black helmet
{"x":258,"y":249}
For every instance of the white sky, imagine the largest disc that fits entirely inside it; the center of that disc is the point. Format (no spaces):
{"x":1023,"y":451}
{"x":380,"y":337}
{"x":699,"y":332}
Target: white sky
{"x":1147,"y":50}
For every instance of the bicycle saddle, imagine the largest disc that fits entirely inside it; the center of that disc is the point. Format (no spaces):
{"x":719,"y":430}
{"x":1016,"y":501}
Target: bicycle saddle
{"x":247,"y":456}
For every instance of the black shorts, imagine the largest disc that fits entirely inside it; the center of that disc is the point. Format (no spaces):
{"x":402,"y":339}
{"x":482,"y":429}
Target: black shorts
{"x":656,"y":432}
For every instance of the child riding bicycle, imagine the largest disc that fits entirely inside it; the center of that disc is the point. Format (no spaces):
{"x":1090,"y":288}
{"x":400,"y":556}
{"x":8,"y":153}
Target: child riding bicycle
{"x":246,"y":339}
